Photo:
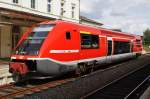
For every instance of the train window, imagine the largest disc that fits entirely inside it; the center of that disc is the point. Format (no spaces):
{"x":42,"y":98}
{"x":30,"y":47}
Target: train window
{"x":89,"y":41}
{"x":29,"y":47}
{"x":85,"y":41}
{"x":32,"y":44}
{"x":95,"y":41}
{"x":37,"y":34}
{"x":68,"y":35}
{"x":43,"y":27}
{"x":121,"y":47}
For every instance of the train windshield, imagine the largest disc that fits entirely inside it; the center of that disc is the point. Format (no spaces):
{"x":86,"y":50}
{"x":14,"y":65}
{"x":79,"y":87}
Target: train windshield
{"x":32,"y":44}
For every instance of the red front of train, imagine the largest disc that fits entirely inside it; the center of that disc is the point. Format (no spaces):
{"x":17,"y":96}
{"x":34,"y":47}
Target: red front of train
{"x":53,"y":48}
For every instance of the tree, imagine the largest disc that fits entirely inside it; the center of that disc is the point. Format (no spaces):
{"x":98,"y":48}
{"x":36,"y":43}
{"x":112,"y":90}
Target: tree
{"x":146,"y":36}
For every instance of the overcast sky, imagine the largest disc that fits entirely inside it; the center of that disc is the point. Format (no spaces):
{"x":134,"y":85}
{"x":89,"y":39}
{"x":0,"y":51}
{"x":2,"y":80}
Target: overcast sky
{"x":131,"y":16}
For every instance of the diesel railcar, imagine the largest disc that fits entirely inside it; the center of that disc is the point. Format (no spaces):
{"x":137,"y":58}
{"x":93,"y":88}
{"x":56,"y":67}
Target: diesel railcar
{"x":53,"y":48}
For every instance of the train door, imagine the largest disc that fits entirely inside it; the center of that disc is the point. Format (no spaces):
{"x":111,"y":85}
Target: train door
{"x":109,"y":49}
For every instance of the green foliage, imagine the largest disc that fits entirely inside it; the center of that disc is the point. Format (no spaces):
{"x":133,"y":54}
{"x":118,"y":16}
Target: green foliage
{"x":146,"y":38}
{"x":146,"y":48}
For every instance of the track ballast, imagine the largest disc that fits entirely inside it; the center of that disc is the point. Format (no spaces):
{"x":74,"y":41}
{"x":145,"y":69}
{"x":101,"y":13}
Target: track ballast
{"x":122,"y":89}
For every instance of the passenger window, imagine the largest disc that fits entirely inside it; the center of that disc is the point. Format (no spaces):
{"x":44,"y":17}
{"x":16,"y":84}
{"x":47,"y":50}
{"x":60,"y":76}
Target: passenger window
{"x":85,"y":41}
{"x":95,"y":41}
{"x":121,"y":47}
{"x":89,"y":41}
{"x":68,"y":35}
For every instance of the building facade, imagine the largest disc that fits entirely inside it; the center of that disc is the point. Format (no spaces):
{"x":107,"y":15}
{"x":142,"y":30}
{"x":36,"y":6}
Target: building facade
{"x":59,"y":9}
{"x":17,"y":15}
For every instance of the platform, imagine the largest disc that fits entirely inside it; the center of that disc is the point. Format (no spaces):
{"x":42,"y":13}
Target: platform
{"x":146,"y":94}
{"x":5,"y":76}
{"x":4,"y":67}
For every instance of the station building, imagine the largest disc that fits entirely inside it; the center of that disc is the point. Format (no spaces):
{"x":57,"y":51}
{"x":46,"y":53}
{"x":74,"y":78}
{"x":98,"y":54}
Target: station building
{"x":18,"y":15}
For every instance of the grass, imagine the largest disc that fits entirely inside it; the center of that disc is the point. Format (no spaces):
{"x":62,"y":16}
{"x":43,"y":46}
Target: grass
{"x":146,"y":48}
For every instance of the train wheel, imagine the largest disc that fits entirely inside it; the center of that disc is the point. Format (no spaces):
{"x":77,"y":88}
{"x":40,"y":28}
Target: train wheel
{"x":92,"y":67}
{"x":78,"y":71}
{"x":81,"y":69}
{"x":17,"y":77}
{"x":137,"y":55}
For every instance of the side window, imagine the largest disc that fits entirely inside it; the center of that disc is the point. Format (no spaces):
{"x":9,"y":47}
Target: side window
{"x":15,"y":1}
{"x":121,"y":47}
{"x":89,"y":41}
{"x":68,"y":36}
{"x":95,"y":41}
{"x":33,"y":4}
{"x":86,"y":41}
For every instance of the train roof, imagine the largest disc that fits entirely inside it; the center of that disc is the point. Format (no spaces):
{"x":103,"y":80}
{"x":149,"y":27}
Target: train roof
{"x":96,"y":28}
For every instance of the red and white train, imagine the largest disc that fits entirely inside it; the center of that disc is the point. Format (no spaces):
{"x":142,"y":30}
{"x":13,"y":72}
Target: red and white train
{"x":53,"y":48}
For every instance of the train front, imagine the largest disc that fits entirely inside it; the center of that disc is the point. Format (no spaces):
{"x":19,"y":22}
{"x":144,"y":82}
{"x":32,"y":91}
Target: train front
{"x":23,"y":63}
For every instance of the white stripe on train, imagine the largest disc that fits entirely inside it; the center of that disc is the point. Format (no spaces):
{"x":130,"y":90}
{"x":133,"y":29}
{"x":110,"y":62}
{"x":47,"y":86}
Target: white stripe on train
{"x":101,"y":59}
{"x":63,"y":51}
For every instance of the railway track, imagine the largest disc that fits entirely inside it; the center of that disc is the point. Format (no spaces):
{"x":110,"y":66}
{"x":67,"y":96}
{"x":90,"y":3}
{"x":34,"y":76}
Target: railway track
{"x":129,"y":87}
{"x":18,"y":91}
{"x":139,"y":90}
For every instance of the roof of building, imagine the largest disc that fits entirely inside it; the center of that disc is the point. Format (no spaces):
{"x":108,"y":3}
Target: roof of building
{"x":83,"y":18}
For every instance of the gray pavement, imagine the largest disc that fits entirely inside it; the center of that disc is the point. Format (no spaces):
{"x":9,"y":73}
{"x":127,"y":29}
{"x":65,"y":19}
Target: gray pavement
{"x":146,"y":94}
{"x":4,"y":66}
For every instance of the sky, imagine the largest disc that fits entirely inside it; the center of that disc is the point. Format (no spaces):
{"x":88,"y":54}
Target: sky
{"x":132,"y":16}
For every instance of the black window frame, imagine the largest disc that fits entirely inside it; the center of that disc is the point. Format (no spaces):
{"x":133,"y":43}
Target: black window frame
{"x":16,"y":1}
{"x":121,"y":47}
{"x":49,"y":5}
{"x":73,"y":10}
{"x":89,"y":41}
{"x":49,"y":1}
{"x":62,"y":12}
{"x":68,"y":35}
{"x":33,"y":4}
